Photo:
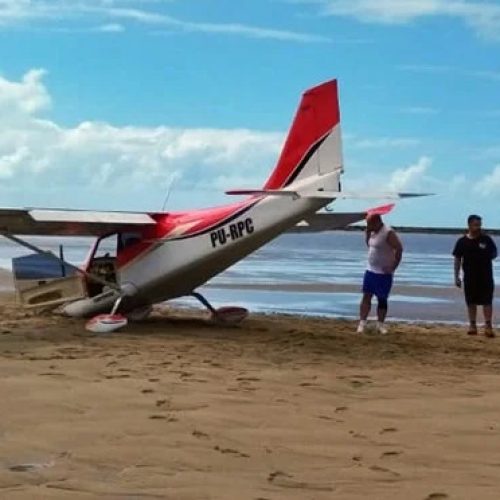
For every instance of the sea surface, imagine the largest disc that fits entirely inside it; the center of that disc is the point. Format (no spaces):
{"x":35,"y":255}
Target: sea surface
{"x":318,"y":274}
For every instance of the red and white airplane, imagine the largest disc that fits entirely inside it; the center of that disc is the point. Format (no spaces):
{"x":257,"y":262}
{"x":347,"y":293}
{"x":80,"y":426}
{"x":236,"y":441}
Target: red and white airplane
{"x":140,"y":259}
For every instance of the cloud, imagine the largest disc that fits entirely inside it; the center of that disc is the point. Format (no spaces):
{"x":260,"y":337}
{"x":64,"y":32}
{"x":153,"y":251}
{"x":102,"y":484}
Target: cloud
{"x":24,"y":97}
{"x":381,"y":142}
{"x":410,"y":178}
{"x":38,"y":154}
{"x":111,"y":28}
{"x":482,"y":16}
{"x":109,"y":12}
{"x":419,"y":110}
{"x":490,"y":184}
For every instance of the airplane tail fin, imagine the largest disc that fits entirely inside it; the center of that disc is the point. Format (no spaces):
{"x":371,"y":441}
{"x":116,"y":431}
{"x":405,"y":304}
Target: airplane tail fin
{"x":313,"y":149}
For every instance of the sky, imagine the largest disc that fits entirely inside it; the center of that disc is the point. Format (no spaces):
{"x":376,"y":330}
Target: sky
{"x":112,"y":104}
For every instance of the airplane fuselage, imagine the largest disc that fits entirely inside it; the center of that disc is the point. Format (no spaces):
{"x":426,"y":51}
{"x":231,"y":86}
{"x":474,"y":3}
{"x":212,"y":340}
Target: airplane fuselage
{"x":178,"y":263}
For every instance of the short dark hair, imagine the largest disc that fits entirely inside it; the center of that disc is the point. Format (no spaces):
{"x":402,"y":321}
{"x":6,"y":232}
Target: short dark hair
{"x":375,"y":218}
{"x":474,"y":218}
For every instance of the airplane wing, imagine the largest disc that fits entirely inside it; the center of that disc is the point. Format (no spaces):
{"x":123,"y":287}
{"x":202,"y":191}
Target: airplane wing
{"x":49,"y":222}
{"x":320,"y":222}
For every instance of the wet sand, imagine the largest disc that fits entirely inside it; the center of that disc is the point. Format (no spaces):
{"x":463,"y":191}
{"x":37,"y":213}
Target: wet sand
{"x":279,"y":408}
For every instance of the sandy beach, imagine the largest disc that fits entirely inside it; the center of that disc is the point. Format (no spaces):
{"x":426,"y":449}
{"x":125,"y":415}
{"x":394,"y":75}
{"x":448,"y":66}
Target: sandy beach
{"x":279,"y":408}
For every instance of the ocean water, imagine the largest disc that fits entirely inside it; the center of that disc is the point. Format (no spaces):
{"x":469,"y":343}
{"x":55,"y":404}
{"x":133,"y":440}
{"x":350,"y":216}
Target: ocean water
{"x":340,"y":257}
{"x":285,"y":275}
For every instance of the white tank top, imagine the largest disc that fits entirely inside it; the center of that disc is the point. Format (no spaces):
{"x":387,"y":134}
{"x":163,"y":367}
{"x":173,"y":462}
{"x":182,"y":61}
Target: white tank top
{"x":380,"y":253}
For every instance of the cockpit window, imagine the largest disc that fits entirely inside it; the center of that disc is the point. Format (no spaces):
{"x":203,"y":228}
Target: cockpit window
{"x":128,"y":239}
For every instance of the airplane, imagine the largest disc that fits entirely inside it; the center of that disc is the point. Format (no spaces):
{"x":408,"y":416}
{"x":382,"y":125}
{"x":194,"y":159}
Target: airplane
{"x":142,"y":259}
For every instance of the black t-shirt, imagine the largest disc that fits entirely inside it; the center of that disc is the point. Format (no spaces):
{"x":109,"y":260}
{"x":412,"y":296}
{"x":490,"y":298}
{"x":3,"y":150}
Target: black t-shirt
{"x":477,"y":256}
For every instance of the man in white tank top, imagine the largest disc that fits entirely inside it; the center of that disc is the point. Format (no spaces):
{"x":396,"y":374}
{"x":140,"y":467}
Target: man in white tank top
{"x":385,"y":252}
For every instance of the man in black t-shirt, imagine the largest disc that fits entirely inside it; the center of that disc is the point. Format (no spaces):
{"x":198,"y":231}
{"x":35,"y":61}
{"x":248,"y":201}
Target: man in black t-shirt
{"x":474,"y":253}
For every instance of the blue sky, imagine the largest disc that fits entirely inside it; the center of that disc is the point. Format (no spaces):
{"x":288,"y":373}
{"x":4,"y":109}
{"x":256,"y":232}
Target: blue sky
{"x":104,"y":102}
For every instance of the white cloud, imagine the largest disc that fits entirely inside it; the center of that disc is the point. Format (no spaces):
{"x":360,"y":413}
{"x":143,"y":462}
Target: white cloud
{"x":381,"y":142}
{"x":108,"y":12}
{"x":482,"y":16}
{"x":37,"y":153}
{"x":410,"y":178}
{"x":489,"y":184}
{"x":25,"y":97}
{"x":419,"y":110}
{"x":111,"y":28}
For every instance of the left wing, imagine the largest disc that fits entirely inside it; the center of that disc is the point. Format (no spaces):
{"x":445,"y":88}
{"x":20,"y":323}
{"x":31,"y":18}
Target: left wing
{"x":48,"y":222}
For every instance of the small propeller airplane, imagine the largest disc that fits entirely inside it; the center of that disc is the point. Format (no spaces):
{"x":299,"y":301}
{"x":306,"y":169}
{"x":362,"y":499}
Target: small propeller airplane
{"x":141,"y":259}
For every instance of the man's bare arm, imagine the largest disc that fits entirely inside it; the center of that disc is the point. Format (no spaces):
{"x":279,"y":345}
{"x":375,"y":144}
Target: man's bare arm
{"x":397,"y":246}
{"x":457,"y":267}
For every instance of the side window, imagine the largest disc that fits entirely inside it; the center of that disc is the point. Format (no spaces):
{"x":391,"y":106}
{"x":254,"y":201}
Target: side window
{"x":107,"y":247}
{"x":128,"y":239}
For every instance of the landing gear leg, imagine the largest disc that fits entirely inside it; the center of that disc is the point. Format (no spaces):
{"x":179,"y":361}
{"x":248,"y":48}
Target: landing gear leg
{"x":199,"y":297}
{"x":116,"y":305}
{"x":226,"y":315}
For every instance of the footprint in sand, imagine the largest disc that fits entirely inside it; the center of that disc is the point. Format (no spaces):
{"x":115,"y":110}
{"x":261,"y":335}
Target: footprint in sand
{"x":284,"y":480}
{"x":200,"y":435}
{"x":387,"y":430}
{"x":437,"y":496}
{"x":147,"y":391}
{"x":341,"y":409}
{"x":357,"y":435}
{"x":377,"y":468}
{"x":389,"y":454}
{"x":231,"y":452}
{"x":168,"y":418}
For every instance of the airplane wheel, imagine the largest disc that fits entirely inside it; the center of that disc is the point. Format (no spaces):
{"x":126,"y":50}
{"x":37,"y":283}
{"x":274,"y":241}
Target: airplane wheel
{"x":140,"y":314}
{"x":230,"y":315}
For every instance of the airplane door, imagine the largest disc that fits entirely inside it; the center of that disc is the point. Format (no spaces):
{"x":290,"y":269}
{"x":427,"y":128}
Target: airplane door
{"x":42,"y":281}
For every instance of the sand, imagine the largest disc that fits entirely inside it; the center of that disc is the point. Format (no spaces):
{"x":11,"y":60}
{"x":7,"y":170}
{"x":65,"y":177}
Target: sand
{"x":279,"y":408}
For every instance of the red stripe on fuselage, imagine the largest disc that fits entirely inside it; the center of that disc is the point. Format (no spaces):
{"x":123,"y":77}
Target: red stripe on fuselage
{"x":196,"y":222}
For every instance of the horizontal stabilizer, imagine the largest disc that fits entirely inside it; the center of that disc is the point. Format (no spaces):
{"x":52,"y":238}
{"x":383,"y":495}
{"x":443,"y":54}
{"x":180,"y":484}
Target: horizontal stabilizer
{"x":326,"y":195}
{"x":262,"y":192}
{"x":320,"y":222}
{"x":343,"y":195}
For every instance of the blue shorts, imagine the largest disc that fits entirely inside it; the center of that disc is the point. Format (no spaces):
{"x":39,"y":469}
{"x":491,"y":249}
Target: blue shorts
{"x":377,"y":284}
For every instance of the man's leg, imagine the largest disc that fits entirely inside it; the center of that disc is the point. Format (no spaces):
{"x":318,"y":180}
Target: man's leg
{"x":472,"y":310}
{"x":366,"y":306}
{"x":381,"y":315}
{"x":364,"y":310}
{"x":488,"y":320}
{"x":385,"y":286}
{"x":382,"y":309}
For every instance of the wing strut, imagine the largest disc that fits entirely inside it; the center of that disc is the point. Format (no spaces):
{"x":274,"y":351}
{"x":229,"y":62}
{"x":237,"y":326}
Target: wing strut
{"x":51,"y":255}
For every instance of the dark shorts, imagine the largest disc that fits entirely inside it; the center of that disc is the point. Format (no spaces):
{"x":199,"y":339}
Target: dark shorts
{"x":379,"y":285}
{"x":479,"y":292}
